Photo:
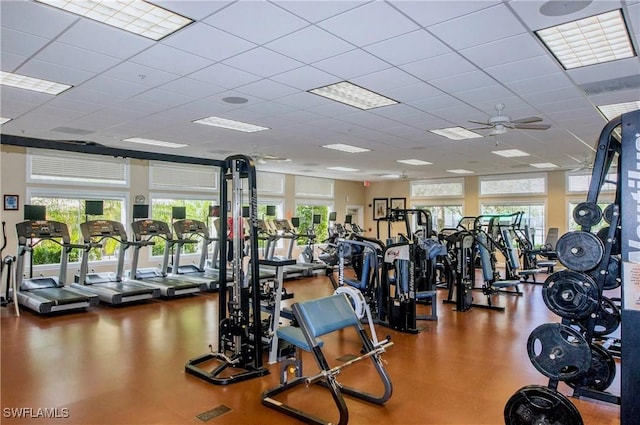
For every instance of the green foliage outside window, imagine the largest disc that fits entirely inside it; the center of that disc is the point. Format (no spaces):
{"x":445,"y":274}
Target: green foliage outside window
{"x":71,"y":212}
{"x":306,"y":213}
{"x":161,"y":209}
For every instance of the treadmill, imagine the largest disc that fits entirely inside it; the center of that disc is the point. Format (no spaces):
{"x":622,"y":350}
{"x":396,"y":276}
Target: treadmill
{"x":186,"y":231}
{"x":170,"y":285}
{"x":289,"y":232}
{"x":46,"y":295}
{"x":285,"y":231}
{"x":111,"y":288}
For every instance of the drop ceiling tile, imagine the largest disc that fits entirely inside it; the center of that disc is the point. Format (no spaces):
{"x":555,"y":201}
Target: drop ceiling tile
{"x":397,"y":111}
{"x":191,"y":88}
{"x":461,"y":82}
{"x":368,"y":24}
{"x":330,"y":108}
{"x":162,"y":97}
{"x":303,"y":100}
{"x":385,"y":80}
{"x":224,"y":76}
{"x":413,"y":92}
{"x":266,"y":89}
{"x":427,"y":13}
{"x":617,"y":96}
{"x":208,"y":42}
{"x":140,"y":107}
{"x":52,"y":72}
{"x":459,"y":114}
{"x":100,"y":97}
{"x":263,"y":62}
{"x":553,"y":95}
{"x":196,"y":10}
{"x":315,"y":11}
{"x":439,"y":66}
{"x":395,"y":50}
{"x":33,"y":18}
{"x":483,"y":94}
{"x":309,"y":44}
{"x":305,"y":78}
{"x":104,"y":39}
{"x":181,"y":63}
{"x":140,"y":74}
{"x":206,"y":107}
{"x":63,"y":102}
{"x":270,"y":109}
{"x":605,"y":71}
{"x":511,"y":49}
{"x":351,"y":64}
{"x":15,"y":102}
{"x":114,"y":87}
{"x":480,"y":27}
{"x":554,"y":81}
{"x":75,"y":57}
{"x":258,"y":22}
{"x":20,"y":43}
{"x":434,"y":102}
{"x":524,"y":69}
{"x":10,"y":62}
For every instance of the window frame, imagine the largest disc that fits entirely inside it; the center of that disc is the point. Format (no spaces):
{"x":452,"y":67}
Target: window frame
{"x":509,"y":177}
{"x":438,"y":181}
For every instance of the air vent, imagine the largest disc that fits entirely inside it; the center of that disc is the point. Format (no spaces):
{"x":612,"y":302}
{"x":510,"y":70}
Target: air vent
{"x":615,"y":84}
{"x":71,"y":130}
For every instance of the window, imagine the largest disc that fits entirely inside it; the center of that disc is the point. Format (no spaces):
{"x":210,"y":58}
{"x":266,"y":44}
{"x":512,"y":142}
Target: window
{"x":270,"y":183}
{"x":69,"y":209}
{"x":188,"y":177}
{"x":575,"y":226}
{"x":519,"y":184}
{"x":76,"y":169}
{"x":305,"y":212}
{"x":533,"y":217}
{"x":437,"y":188}
{"x":443,"y":216}
{"x":314,"y":187}
{"x":579,"y":182}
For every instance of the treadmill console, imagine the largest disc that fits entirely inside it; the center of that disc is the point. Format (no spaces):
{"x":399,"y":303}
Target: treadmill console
{"x":42,"y":229}
{"x":283,"y":224}
{"x":151,"y":228}
{"x":102,"y":228}
{"x":189,"y":227}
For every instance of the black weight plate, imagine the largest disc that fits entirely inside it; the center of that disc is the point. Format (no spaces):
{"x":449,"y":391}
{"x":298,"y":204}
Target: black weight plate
{"x":607,"y":214}
{"x":579,"y":251}
{"x":570,"y":294}
{"x":603,"y":235}
{"x":587,"y":214}
{"x":601,"y":373}
{"x":538,"y":405}
{"x":607,"y":318}
{"x":613,"y":278}
{"x":558,"y":351}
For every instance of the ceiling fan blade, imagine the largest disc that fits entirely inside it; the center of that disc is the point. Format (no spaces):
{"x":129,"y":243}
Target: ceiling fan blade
{"x":532,"y":126}
{"x":526,"y":120}
{"x":479,"y":122}
{"x":486,"y":127}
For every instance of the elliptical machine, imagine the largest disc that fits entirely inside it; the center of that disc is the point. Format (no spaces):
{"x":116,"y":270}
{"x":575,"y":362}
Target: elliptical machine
{"x":9,"y":283}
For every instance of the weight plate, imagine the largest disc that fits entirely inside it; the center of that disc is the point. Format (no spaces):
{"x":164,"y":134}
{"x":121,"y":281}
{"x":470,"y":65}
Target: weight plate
{"x":601,"y":373}
{"x":603,"y":235}
{"x":558,"y":351}
{"x":607,"y":214}
{"x":570,"y":294}
{"x":607,"y":318}
{"x":587,"y":214}
{"x":579,"y":250}
{"x":538,"y":405}
{"x":613,"y":276}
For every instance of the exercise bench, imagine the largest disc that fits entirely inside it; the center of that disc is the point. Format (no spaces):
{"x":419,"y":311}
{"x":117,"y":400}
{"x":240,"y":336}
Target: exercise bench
{"x":317,"y":318}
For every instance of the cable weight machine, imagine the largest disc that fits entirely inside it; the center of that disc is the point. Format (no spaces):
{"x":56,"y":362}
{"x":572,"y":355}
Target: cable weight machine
{"x":239,"y":342}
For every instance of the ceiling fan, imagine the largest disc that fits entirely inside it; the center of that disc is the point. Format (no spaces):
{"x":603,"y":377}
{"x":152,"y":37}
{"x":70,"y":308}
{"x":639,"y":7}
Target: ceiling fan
{"x":500,"y":122}
{"x":263,"y":158}
{"x":584,"y":164}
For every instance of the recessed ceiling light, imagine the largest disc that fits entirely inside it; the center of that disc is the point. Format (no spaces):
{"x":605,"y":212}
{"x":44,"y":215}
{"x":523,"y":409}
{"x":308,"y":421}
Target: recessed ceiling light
{"x":510,"y":153}
{"x":544,"y":165}
{"x":236,"y":100}
{"x":596,"y":39}
{"x":4,"y":120}
{"x":230,"y":124}
{"x":613,"y":110}
{"x":456,"y":133}
{"x":136,"y":16}
{"x":153,"y":142}
{"x":346,"y":148}
{"x":346,"y":169}
{"x":353,"y":95}
{"x":460,"y":171}
{"x":414,"y":162}
{"x":29,"y":83}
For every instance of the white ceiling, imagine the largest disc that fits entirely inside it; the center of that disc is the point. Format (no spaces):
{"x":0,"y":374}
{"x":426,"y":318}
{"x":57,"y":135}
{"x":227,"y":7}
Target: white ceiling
{"x":446,"y":62}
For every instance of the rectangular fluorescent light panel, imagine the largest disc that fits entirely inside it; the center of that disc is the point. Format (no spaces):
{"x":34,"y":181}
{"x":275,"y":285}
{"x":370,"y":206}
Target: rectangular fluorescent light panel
{"x":136,"y":16}
{"x":353,"y":95}
{"x":460,"y":171}
{"x":4,"y":120}
{"x":613,"y":110}
{"x":29,"y":83}
{"x":390,"y":176}
{"x":596,"y":39}
{"x":544,"y":165}
{"x":346,"y":148}
{"x":510,"y":153}
{"x":456,"y":133}
{"x":414,"y":162}
{"x":153,"y":142}
{"x":346,"y":169}
{"x":230,"y":124}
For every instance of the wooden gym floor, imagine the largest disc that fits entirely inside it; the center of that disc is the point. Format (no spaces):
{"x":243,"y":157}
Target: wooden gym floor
{"x":125,"y":365}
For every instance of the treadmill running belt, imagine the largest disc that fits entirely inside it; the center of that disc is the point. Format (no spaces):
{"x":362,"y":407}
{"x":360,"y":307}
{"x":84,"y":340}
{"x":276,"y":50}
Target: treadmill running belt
{"x":59,"y":296}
